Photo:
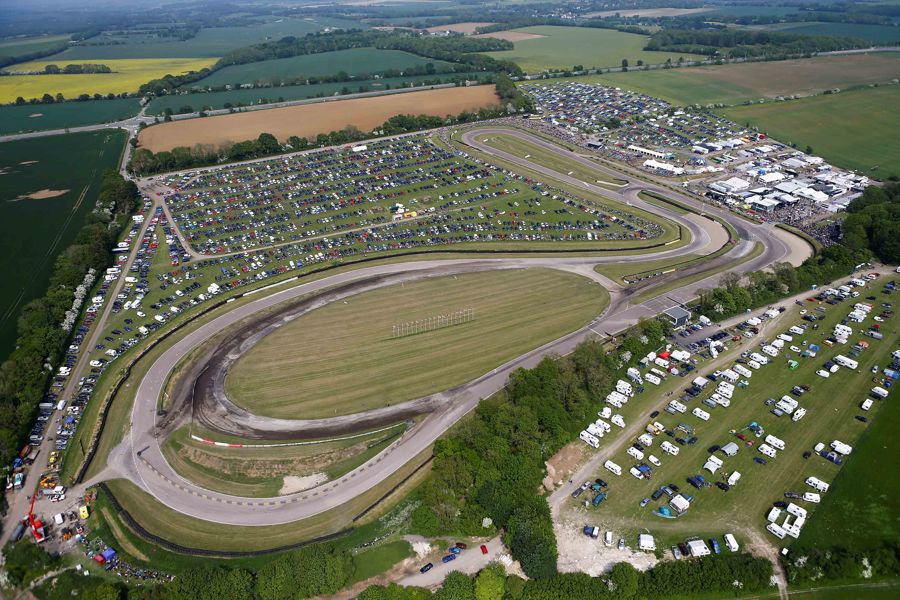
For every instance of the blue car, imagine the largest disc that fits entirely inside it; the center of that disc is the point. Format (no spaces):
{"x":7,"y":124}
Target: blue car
{"x":715,"y":545}
{"x":426,"y":568}
{"x":759,"y":460}
{"x":455,"y":550}
{"x":448,"y":558}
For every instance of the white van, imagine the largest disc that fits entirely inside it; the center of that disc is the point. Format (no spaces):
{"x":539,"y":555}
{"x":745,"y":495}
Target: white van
{"x":798,"y":414}
{"x":700,"y":414}
{"x":635,"y":453}
{"x":654,"y":461}
{"x":841,"y":448}
{"x":634,"y":471}
{"x":731,"y":543}
{"x":612,"y":467}
{"x":867,"y":404}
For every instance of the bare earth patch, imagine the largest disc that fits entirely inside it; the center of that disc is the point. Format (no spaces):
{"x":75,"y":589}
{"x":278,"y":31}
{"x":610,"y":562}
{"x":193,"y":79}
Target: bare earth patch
{"x":293,"y":484}
{"x":579,"y":553}
{"x":42,"y":194}
{"x":511,"y":36}
{"x":467,"y":28}
{"x":647,"y":12}
{"x":310,"y":120}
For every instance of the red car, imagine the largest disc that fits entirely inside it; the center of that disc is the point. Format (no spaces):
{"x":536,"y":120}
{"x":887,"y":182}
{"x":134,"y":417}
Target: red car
{"x":483,"y":549}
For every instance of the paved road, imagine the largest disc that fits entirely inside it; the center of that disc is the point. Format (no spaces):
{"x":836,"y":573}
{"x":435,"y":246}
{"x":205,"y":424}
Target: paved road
{"x":139,"y":458}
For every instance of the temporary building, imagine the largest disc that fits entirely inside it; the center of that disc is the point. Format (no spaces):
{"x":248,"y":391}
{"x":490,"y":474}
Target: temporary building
{"x":698,"y":548}
{"x":730,"y":449}
{"x":646,"y":542}
{"x":680,"y":503}
{"x":734,"y":478}
{"x":713,"y":464}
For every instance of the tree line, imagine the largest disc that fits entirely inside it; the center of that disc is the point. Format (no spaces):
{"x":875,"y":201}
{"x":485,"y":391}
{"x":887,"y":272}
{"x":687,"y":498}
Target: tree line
{"x":725,"y":576}
{"x":873,"y":223}
{"x":745,"y":43}
{"x":491,"y":464}
{"x":462,"y":50}
{"x":41,"y":341}
{"x":732,"y":296}
{"x":78,"y":69}
{"x":146,"y":162}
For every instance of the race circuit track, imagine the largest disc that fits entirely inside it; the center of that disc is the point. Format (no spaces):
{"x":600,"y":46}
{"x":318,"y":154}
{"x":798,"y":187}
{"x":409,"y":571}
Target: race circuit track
{"x":140,"y":459}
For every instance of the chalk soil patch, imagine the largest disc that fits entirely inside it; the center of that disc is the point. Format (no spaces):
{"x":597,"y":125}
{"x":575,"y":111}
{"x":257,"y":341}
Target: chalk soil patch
{"x":293,"y":484}
{"x":511,"y":36}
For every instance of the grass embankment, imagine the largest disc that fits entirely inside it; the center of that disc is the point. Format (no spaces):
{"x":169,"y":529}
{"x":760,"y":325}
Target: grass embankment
{"x":189,"y":532}
{"x":347,"y":347}
{"x":854,"y":129}
{"x":534,"y":153}
{"x":262,"y":472}
{"x":831,"y":416}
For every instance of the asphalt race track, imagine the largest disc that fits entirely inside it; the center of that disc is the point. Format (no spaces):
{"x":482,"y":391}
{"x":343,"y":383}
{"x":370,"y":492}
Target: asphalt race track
{"x":140,"y":459}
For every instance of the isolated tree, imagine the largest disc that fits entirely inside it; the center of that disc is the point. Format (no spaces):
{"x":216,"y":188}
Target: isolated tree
{"x":624,"y":64}
{"x":490,"y":584}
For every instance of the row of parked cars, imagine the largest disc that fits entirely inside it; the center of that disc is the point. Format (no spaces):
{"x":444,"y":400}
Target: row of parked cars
{"x":452,"y":552}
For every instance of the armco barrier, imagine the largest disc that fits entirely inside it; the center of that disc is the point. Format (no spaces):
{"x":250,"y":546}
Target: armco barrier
{"x":163,"y":543}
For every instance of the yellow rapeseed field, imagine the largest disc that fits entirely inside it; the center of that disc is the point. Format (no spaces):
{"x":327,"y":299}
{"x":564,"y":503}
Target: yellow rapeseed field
{"x":127,"y":76}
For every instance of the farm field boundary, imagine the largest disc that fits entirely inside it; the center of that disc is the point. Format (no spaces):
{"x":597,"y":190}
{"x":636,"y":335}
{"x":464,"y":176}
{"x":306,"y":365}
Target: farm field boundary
{"x":310,"y":120}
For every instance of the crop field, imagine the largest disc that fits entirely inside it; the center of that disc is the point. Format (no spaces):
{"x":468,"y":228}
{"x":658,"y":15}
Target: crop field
{"x":347,"y":348}
{"x":269,"y":472}
{"x":467,"y":28}
{"x":355,"y":61}
{"x":714,"y":512}
{"x":208,"y":43}
{"x":47,"y":187}
{"x":127,"y":76}
{"x":312,"y":119}
{"x":12,"y":47}
{"x":854,"y":129}
{"x":251,"y":96}
{"x":38,"y":117}
{"x":876,"y":34}
{"x":564,"y":47}
{"x":737,"y":83}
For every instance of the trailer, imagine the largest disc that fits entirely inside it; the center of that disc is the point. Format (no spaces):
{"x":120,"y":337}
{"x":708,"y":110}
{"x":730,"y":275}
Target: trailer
{"x":612,"y":467}
{"x":589,"y":439}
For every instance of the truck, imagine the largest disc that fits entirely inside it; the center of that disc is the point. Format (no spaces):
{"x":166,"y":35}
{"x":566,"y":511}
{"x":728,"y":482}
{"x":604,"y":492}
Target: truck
{"x":591,"y":531}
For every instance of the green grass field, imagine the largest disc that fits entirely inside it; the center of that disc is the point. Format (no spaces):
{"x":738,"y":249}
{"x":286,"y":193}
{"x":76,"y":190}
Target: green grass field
{"x":346,"y":347}
{"x":35,"y":230}
{"x":38,"y":117}
{"x":877,"y":34}
{"x":355,"y":61}
{"x":861,"y":491}
{"x":715,"y":512}
{"x":564,"y":47}
{"x":738,"y":83}
{"x":261,"y":472}
{"x":209,"y":42}
{"x":523,"y":149}
{"x":21,"y":46}
{"x":215,"y":100}
{"x":855,"y":130}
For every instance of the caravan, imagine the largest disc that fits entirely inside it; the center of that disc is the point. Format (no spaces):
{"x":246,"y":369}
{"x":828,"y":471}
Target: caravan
{"x":817,"y":484}
{"x":624,"y":388}
{"x":589,"y":439}
{"x":613,"y":467}
{"x":669,"y":448}
{"x":742,"y":370}
{"x":775,"y":442}
{"x":635,"y":453}
{"x":768,"y":450}
{"x":701,"y":414}
{"x":846,"y":362}
{"x":675,"y":405}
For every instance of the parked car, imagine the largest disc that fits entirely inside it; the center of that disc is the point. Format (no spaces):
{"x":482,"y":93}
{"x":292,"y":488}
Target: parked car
{"x":448,"y":558}
{"x":645,"y":502}
{"x":484,"y":549}
{"x":426,"y":568}
{"x":759,"y":460}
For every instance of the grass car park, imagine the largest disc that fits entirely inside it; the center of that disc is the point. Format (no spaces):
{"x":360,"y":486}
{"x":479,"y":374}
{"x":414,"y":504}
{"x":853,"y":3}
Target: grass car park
{"x":742,"y":508}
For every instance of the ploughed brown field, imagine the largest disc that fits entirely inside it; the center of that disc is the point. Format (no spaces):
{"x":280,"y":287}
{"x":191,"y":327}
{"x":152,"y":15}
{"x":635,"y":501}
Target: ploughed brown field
{"x":309,"y":120}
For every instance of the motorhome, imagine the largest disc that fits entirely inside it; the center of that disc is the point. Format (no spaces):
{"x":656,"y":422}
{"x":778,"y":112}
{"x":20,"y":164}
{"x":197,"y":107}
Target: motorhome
{"x":589,"y":439}
{"x":612,"y":467}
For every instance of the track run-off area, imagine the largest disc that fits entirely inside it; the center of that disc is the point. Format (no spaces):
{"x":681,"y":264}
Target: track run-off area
{"x":139,"y":458}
